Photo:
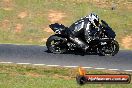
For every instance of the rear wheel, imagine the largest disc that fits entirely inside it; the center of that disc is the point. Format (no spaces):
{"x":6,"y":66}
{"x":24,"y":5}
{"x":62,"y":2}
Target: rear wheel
{"x":111,"y":48}
{"x":56,"y":44}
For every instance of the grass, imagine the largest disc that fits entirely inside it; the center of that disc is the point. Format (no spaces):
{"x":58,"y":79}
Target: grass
{"x":27,"y":76}
{"x":37,"y":20}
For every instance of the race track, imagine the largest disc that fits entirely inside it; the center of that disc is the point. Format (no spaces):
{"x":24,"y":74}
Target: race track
{"x":38,"y":55}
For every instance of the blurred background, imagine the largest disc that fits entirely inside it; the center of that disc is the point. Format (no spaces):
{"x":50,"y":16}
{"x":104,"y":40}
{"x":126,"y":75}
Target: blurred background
{"x":26,"y":21}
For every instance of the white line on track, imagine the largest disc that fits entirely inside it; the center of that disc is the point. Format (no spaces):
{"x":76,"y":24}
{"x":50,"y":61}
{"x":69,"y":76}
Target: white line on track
{"x":71,"y":66}
{"x":113,"y":69}
{"x":87,"y":67}
{"x":128,"y":70}
{"x":23,"y":63}
{"x":100,"y":68}
{"x":39,"y":64}
{"x":6,"y":62}
{"x":53,"y":65}
{"x":60,"y":66}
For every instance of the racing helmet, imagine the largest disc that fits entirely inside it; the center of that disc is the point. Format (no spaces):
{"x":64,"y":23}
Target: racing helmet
{"x":94,"y":19}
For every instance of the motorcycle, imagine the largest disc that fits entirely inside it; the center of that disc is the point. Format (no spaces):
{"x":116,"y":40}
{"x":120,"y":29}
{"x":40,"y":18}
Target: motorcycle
{"x":103,"y":44}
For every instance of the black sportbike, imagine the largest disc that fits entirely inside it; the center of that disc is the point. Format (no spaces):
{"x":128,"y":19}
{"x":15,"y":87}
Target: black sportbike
{"x":103,"y":44}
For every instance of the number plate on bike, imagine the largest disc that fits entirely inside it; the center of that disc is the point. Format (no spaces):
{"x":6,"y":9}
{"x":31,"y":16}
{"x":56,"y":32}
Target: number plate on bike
{"x":103,"y":43}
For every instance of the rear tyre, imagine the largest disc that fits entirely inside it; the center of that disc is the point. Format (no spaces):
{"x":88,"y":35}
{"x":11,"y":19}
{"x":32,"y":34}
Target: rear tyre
{"x":56,"y":45}
{"x":111,"y":48}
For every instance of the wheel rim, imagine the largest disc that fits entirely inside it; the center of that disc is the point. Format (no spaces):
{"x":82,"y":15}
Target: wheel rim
{"x":56,"y":46}
{"x":108,"y":49}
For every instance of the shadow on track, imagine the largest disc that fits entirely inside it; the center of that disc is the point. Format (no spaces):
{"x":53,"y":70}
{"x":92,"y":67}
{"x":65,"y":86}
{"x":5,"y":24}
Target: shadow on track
{"x":79,"y":52}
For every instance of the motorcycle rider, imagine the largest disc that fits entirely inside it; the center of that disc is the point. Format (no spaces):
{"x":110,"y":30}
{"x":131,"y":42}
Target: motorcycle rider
{"x":84,"y":27}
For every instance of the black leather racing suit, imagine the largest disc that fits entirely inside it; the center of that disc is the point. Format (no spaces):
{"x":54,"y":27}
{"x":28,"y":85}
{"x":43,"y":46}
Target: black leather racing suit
{"x":81,"y":28}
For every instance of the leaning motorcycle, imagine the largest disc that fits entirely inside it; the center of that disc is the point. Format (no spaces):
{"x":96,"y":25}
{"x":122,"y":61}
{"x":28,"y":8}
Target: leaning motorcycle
{"x":103,"y":44}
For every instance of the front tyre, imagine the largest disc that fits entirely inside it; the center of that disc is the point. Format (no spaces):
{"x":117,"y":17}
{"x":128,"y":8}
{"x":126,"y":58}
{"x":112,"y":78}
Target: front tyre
{"x":111,"y":48}
{"x":55,"y":44}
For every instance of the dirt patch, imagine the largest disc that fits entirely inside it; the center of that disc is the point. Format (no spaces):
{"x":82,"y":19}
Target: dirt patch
{"x":7,"y":5}
{"x":7,"y":1}
{"x":34,"y":74}
{"x":30,"y":40}
{"x":23,"y":14}
{"x":128,"y":6}
{"x":127,"y":42}
{"x":8,"y":8}
{"x":5,"y":23}
{"x":55,"y":16}
{"x":120,"y":4}
{"x":44,"y":40}
{"x":18,"y":28}
{"x":13,"y":74}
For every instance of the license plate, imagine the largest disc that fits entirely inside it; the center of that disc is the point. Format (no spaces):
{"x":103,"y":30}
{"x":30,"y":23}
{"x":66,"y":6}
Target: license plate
{"x":103,"y":43}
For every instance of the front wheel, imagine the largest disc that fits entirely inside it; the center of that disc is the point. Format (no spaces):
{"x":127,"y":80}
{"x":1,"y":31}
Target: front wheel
{"x":55,"y":44}
{"x":111,"y":48}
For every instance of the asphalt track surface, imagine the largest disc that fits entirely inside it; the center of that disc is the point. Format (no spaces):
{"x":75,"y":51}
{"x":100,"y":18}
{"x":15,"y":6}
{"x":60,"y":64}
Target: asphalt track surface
{"x":38,"y":55}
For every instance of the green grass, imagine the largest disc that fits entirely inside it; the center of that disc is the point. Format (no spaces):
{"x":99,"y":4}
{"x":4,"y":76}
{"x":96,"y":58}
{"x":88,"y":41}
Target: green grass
{"x":45,"y":82}
{"x":28,"y":76}
{"x":37,"y":20}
